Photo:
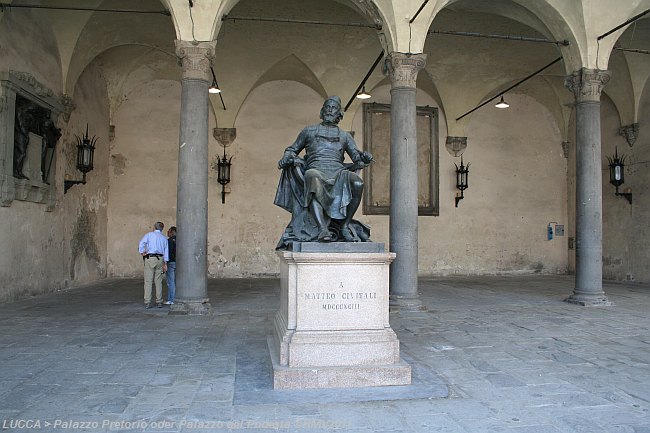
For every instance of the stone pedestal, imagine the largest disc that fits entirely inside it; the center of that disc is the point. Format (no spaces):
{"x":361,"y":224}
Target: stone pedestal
{"x":333,"y":329}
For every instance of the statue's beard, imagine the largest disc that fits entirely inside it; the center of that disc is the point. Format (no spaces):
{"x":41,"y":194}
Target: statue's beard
{"x":330,"y":119}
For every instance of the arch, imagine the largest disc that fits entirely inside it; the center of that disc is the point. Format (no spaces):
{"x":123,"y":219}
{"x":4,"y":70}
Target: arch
{"x":370,"y":9}
{"x":635,"y":65}
{"x":470,"y":70}
{"x":539,"y":15}
{"x":214,"y":10}
{"x":198,"y":20}
{"x":100,"y":34}
{"x":645,"y":90}
{"x":291,"y":68}
{"x":126,"y":67}
{"x":25,"y":28}
{"x":547,"y":91}
{"x":621,"y":91}
{"x":426,"y":84}
{"x":607,"y":44}
{"x":325,"y":58}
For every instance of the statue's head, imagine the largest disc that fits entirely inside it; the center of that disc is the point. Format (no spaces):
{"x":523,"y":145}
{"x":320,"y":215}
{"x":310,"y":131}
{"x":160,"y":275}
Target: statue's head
{"x":331,"y":112}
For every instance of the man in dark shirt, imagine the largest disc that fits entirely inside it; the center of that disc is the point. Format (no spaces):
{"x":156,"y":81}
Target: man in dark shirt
{"x":171,"y":266}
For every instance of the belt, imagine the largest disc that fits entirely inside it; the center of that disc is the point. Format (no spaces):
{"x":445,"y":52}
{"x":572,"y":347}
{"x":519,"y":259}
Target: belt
{"x":146,"y":256}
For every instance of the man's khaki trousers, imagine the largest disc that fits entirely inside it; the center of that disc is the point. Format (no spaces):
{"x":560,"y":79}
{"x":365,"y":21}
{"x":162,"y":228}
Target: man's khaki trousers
{"x":153,"y":272}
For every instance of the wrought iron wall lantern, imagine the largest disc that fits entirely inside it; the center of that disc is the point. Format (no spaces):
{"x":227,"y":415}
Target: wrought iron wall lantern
{"x":85,"y":156}
{"x":223,"y":173}
{"x":617,"y":174}
{"x":462,"y":184}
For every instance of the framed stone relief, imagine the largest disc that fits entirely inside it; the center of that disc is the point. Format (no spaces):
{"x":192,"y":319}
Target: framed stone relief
{"x":28,"y":139}
{"x":376,"y":140}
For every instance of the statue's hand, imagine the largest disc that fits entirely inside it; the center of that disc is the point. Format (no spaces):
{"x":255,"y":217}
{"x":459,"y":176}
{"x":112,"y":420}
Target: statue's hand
{"x":286,"y":161}
{"x":366,"y":157}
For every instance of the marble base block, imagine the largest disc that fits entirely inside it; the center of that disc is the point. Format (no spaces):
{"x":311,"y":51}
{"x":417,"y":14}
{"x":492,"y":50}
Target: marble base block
{"x":333,"y":327}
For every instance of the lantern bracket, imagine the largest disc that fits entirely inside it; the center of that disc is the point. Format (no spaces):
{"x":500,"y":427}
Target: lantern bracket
{"x":85,"y":157}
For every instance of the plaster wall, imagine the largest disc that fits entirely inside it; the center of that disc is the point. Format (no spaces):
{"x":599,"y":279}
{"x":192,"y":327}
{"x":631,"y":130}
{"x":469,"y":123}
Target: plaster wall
{"x":638,"y":176}
{"x":625,"y":252}
{"x":625,"y":234}
{"x":48,"y":251}
{"x":143,"y":168}
{"x":571,"y":191}
{"x":517,"y":185}
{"x":86,"y":206}
{"x":33,"y":242}
{"x":466,"y":70}
{"x":29,"y":45}
{"x":32,"y":238}
{"x":518,"y":177}
{"x":618,"y":214}
{"x":245,"y":230}
{"x":246,"y":50}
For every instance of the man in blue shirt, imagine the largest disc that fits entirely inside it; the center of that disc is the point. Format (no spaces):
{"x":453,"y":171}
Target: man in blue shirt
{"x":154,"y":250}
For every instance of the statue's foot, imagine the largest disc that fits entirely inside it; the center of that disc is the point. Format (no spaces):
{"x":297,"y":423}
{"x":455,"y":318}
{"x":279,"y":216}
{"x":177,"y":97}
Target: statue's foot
{"x":347,"y":234}
{"x":324,"y":236}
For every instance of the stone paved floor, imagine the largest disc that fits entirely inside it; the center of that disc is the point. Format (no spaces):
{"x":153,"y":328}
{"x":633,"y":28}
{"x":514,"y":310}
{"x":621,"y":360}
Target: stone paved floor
{"x":495,"y":354}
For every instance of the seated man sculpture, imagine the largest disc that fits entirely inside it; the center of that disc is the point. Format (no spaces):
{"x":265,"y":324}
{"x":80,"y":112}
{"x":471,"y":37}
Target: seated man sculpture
{"x":321,"y":191}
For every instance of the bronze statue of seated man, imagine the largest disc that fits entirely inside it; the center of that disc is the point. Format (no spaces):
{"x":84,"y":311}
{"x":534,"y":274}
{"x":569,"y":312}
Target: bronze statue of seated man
{"x":321,"y":191}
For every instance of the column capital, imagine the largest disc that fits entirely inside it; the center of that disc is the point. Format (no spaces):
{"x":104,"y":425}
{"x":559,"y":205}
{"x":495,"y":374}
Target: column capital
{"x":629,"y":132}
{"x":195,"y":58}
{"x":587,"y":84}
{"x":402,"y":68}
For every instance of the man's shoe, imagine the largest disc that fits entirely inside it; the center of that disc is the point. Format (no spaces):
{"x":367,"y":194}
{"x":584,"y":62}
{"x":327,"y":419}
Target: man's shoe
{"x":168,"y":302}
{"x":159,"y":305}
{"x":147,"y":306}
{"x":324,"y":236}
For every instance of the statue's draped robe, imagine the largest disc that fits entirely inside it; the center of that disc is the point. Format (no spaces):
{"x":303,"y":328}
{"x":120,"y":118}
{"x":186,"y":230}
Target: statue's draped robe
{"x":322,"y":176}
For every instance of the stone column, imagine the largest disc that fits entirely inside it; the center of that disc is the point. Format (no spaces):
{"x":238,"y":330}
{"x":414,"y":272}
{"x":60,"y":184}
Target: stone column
{"x":587,"y":84}
{"x":402,"y":69}
{"x":192,"y":189}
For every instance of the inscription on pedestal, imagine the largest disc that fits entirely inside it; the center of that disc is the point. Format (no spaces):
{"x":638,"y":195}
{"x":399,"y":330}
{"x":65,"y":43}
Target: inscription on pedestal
{"x":348,"y":305}
{"x":341,"y":301}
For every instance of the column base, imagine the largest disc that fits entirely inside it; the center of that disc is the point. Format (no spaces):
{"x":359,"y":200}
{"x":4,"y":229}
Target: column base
{"x":589,"y":300}
{"x":190,"y":308}
{"x":406,"y":303}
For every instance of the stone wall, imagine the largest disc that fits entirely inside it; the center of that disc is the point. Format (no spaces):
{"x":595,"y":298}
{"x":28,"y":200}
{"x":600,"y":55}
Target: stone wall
{"x":517,"y":185}
{"x":274,"y":78}
{"x":142,"y":172}
{"x":625,"y":234}
{"x":46,"y":250}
